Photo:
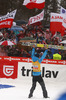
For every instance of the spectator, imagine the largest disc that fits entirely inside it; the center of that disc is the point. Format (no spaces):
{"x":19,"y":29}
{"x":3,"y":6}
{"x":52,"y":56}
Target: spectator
{"x":24,"y":54}
{"x":64,"y":55}
{"x":20,"y":35}
{"x":47,"y":34}
{"x":58,"y":36}
{"x":5,"y":34}
{"x":11,"y":33}
{"x":3,"y":52}
{"x":57,"y":56}
{"x":39,"y":37}
{"x":37,"y":32}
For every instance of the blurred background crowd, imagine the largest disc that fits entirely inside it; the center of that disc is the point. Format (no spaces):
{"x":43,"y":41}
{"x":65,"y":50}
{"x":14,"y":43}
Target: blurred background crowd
{"x":40,"y":34}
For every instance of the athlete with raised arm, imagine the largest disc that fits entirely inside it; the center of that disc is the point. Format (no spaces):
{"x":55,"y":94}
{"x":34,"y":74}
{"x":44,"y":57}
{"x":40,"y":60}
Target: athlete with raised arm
{"x":36,"y":61}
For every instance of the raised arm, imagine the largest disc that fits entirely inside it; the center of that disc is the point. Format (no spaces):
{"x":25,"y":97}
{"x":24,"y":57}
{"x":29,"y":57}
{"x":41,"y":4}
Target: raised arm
{"x":33,"y":52}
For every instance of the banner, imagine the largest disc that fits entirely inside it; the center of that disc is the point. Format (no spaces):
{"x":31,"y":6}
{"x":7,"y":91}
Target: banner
{"x":50,"y":72}
{"x":7,"y":20}
{"x":19,"y":67}
{"x":62,"y":10}
{"x":57,"y":22}
{"x":36,"y":18}
{"x":30,"y":4}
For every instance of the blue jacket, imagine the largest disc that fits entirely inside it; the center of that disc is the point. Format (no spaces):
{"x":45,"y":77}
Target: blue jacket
{"x":34,"y":59}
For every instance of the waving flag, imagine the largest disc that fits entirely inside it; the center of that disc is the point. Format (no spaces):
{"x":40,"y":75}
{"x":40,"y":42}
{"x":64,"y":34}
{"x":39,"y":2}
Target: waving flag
{"x":36,"y":18}
{"x":7,"y":20}
{"x":62,"y":10}
{"x":63,"y":24}
{"x":30,"y":4}
{"x":58,"y":23}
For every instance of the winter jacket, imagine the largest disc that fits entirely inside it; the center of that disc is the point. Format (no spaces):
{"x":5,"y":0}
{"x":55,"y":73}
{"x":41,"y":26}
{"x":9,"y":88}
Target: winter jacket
{"x":36,"y":62}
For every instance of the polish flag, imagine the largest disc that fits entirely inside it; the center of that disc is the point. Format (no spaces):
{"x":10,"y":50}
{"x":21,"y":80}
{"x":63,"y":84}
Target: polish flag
{"x":30,"y":4}
{"x":37,"y":18}
{"x":64,"y":21}
{"x":57,"y":23}
{"x":63,"y":24}
{"x":6,"y":21}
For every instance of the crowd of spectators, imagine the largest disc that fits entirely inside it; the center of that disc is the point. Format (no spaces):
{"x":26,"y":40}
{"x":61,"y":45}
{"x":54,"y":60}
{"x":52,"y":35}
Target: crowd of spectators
{"x":39,"y":33}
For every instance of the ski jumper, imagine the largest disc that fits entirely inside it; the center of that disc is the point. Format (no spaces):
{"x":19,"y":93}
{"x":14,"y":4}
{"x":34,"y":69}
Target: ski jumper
{"x":37,"y":73}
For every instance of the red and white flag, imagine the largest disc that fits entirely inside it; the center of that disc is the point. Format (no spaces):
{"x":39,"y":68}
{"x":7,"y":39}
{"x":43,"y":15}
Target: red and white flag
{"x":57,"y":22}
{"x":36,"y":18}
{"x":64,"y":21}
{"x":7,"y":42}
{"x":63,"y":24}
{"x":7,"y":20}
{"x":30,"y":4}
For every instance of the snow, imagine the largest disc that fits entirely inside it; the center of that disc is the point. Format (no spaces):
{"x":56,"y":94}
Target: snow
{"x":22,"y":89}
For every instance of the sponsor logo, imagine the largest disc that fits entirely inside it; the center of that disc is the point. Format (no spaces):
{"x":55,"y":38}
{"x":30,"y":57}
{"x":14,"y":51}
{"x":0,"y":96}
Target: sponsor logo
{"x":8,"y":70}
{"x":12,"y":59}
{"x":27,"y":60}
{"x":44,"y":72}
{"x":49,"y":61}
{"x":62,"y":62}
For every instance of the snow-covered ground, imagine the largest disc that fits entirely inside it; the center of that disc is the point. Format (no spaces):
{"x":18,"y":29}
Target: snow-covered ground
{"x":22,"y":88}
